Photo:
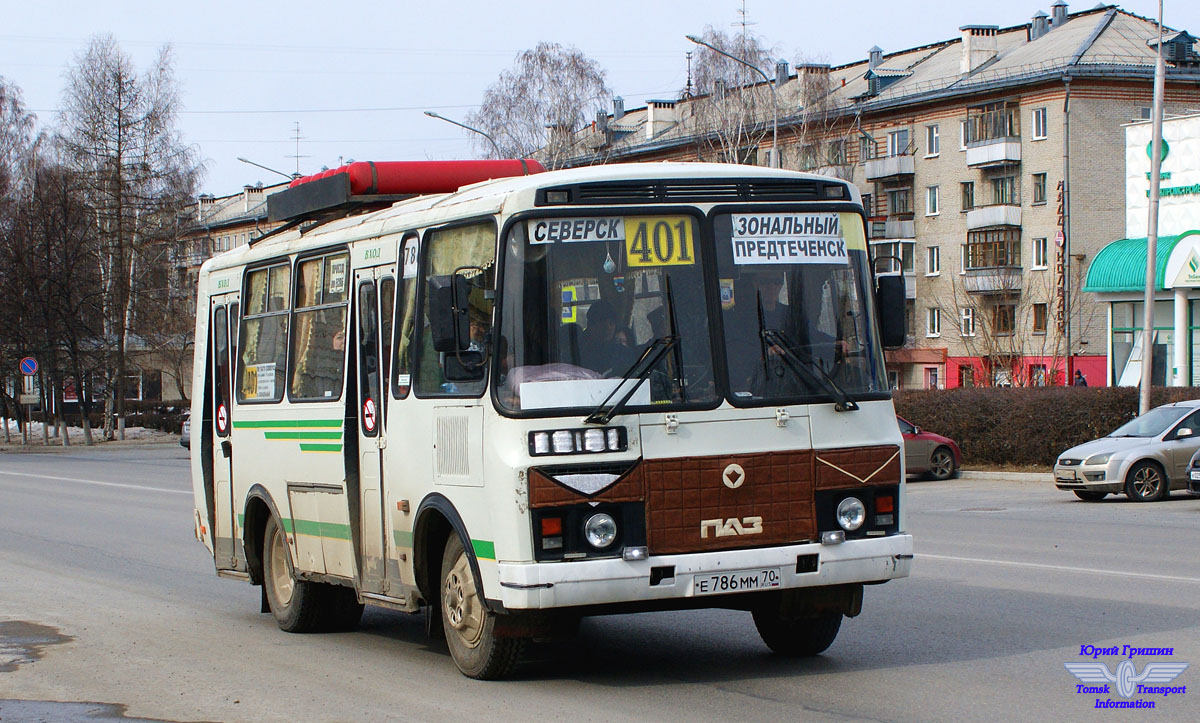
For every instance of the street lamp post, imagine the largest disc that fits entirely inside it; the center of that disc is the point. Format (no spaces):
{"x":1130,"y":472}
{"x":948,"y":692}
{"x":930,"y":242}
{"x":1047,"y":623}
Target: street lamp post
{"x":288,"y":176}
{"x":495,"y":146}
{"x":774,"y":95}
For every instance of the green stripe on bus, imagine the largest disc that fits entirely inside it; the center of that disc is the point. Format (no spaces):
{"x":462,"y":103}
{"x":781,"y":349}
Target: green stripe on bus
{"x":312,"y":528}
{"x":286,"y":423}
{"x":484,"y":549}
{"x":403,"y":538}
{"x":320,"y":447}
{"x":303,"y":435}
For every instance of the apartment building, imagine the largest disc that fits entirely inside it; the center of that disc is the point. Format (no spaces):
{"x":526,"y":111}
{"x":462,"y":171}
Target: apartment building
{"x":992,"y":166}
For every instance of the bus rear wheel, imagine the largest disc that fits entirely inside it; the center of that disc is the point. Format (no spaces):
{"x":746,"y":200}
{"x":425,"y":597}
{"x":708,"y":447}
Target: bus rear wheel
{"x":798,"y":638}
{"x":297,"y":605}
{"x":469,"y":626}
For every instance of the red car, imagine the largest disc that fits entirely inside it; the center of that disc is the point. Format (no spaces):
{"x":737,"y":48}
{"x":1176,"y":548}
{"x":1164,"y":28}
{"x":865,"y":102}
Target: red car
{"x":929,"y":454}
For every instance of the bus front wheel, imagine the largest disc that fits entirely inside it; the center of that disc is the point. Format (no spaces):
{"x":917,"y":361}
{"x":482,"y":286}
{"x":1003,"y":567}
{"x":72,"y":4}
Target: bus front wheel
{"x":469,"y":626}
{"x":296,"y":604}
{"x":798,"y":638}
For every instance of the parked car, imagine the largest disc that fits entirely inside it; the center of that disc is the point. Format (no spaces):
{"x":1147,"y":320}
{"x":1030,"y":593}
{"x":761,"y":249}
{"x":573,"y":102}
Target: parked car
{"x":1145,"y":458}
{"x":927,"y":453}
{"x":1193,"y":482}
{"x":185,"y":433}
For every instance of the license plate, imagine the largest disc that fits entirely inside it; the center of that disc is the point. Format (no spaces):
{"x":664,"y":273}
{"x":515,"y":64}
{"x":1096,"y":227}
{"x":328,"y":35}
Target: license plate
{"x":736,"y":581}
{"x":1067,"y":474}
{"x":1195,"y":474}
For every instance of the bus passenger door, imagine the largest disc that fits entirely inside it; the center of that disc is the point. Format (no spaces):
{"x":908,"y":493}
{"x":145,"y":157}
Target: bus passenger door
{"x":220,"y":344}
{"x":372,"y":285}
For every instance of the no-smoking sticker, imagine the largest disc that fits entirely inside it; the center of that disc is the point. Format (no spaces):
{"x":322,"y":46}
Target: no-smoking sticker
{"x":369,"y":415}
{"x":222,"y":419}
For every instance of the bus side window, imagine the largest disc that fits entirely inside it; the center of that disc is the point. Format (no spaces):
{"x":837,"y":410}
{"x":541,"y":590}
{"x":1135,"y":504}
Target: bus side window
{"x":318,"y":363}
{"x":451,"y":248}
{"x":263,"y":334}
{"x":406,"y":309}
{"x":387,"y":307}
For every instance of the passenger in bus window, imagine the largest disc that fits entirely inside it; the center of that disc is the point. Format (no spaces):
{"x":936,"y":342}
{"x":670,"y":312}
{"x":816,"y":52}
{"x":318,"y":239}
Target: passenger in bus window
{"x":598,"y":346}
{"x":319,"y":375}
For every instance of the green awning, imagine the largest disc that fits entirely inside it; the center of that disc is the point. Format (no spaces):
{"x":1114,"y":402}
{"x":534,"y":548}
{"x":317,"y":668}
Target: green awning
{"x":1121,"y":265}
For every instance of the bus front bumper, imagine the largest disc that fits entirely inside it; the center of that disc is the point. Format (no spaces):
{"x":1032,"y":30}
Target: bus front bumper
{"x":597,"y":582}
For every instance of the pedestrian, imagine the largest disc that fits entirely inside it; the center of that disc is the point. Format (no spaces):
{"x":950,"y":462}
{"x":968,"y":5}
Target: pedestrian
{"x":1080,"y":379}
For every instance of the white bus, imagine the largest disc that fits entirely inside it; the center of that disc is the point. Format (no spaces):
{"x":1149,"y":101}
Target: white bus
{"x":529,"y":399}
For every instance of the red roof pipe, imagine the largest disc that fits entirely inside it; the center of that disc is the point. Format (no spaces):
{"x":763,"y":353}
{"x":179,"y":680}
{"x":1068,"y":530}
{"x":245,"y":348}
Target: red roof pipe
{"x":404,"y":177}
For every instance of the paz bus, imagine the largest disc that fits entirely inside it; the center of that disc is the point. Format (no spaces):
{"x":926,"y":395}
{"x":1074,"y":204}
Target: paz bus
{"x":507,"y":398}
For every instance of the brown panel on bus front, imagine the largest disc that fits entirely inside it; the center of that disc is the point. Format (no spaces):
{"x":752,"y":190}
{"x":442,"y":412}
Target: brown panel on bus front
{"x":700,"y":504}
{"x":545,"y":492}
{"x":858,"y":466}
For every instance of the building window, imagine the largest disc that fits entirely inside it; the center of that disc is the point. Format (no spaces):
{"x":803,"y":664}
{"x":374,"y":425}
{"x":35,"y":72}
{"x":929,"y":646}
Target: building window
{"x":1039,"y":253}
{"x":1037,"y":375}
{"x":890,"y":251}
{"x":899,"y":201}
{"x":866,"y":149}
{"x":968,"y":195}
{"x":1039,"y":124}
{"x":1004,"y":191}
{"x":837,"y":152}
{"x":967,"y":326}
{"x":931,"y":200}
{"x":966,"y":376}
{"x":1039,"y":318}
{"x":991,"y":248}
{"x":893,"y":379}
{"x":933,"y":321}
{"x":932,"y":144}
{"x":1004,"y":319}
{"x":933,"y":261}
{"x":1039,"y":188}
{"x":931,"y":378}
{"x":898,"y":144}
{"x":962,"y":136}
{"x":868,"y":204}
{"x":993,"y":122}
{"x":808,"y":156}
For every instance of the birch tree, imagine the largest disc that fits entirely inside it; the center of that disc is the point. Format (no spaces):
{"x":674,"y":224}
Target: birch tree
{"x":117,"y":130}
{"x":732,"y":113}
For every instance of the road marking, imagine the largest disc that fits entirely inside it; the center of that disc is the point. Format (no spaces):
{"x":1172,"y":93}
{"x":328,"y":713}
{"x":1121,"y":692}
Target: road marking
{"x":96,"y":482}
{"x":1062,"y":568}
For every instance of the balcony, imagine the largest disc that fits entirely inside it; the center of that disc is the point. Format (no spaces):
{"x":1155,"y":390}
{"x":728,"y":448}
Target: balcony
{"x":994,"y":152}
{"x":1000,"y":214}
{"x":993,"y":280}
{"x":890,"y":167}
{"x":895,"y":227}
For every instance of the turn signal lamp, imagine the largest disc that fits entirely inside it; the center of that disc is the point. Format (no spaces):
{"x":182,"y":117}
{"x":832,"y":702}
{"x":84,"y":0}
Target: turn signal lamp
{"x":551,"y":526}
{"x":884,"y":505}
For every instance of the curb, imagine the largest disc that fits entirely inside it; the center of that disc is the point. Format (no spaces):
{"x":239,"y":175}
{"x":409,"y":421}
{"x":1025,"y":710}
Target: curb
{"x":1007,"y":476}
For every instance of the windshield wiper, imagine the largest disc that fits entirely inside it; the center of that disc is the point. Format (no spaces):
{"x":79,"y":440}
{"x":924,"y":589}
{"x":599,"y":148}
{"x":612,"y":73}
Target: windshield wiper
{"x":810,"y":369}
{"x":642,"y":367}
{"x":603,"y":413}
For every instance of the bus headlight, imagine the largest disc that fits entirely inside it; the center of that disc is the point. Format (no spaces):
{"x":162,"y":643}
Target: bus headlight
{"x":851,"y":514}
{"x":590,"y":440}
{"x":600,"y":530}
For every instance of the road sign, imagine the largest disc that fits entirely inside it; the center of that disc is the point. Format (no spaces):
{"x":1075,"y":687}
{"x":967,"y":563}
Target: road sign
{"x":29,"y":366}
{"x":28,"y":399}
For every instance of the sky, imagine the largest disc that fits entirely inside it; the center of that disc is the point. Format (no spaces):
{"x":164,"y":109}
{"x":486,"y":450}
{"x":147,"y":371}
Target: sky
{"x":352,"y":80}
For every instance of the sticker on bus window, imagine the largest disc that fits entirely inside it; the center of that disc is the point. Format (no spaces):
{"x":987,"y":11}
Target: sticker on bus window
{"x":266,"y":379}
{"x":727,"y":299}
{"x":410,"y":259}
{"x":337,"y":276}
{"x":571,"y":230}
{"x":665,"y":241}
{"x":788,"y":238}
{"x":570,"y":295}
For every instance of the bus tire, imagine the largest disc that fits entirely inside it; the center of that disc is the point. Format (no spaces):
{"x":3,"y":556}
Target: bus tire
{"x":296,"y":604}
{"x":469,"y":625}
{"x":798,"y":638}
{"x":343,"y":610}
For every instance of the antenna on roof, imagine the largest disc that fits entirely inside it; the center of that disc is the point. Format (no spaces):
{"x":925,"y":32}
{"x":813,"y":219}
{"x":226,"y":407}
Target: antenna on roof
{"x":297,"y":137}
{"x":687,"y":90}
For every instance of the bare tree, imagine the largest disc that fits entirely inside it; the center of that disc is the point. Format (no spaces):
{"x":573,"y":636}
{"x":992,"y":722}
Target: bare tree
{"x":535,"y":108}
{"x":732,"y":113}
{"x":118,"y":132}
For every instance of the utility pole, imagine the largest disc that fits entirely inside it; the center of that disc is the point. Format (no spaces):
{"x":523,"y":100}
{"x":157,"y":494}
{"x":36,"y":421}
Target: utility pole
{"x":1160,"y":72}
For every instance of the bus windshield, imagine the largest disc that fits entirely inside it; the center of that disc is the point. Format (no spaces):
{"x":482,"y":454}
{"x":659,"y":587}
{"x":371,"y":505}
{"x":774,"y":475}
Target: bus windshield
{"x":585,"y":297}
{"x":794,"y":307}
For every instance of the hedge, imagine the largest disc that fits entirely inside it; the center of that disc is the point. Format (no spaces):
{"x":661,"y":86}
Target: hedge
{"x":1029,"y":425}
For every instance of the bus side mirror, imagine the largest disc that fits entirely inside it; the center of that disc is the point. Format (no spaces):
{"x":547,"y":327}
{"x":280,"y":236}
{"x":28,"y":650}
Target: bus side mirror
{"x":448,"y":323}
{"x":465,"y":366}
{"x":889,"y":306}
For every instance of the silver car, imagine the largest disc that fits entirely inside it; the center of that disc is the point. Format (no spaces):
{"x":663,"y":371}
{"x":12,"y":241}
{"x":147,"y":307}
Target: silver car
{"x":1145,"y":458}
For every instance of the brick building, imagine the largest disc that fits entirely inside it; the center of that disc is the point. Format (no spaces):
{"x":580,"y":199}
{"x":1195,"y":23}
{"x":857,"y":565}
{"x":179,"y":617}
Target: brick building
{"x":992,"y":166}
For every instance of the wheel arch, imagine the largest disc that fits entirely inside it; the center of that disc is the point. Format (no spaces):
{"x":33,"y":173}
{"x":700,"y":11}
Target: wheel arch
{"x":435,"y":521}
{"x":260,"y":507}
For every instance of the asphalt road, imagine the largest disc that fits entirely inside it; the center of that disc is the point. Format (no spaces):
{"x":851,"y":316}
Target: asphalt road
{"x":109,"y":608}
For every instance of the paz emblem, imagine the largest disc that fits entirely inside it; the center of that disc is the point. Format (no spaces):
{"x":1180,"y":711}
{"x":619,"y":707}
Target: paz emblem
{"x":733,"y":476}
